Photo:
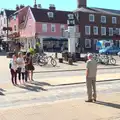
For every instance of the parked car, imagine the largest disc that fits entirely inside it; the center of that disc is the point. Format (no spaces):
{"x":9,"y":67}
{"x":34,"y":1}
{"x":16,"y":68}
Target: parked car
{"x":110,"y":50}
{"x":119,"y":54}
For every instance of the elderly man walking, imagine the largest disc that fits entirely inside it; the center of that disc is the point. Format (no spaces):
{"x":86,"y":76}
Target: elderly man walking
{"x":91,"y":71}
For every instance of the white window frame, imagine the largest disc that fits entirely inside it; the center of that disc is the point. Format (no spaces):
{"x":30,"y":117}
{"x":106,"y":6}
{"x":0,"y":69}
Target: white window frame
{"x":88,"y":42}
{"x":62,"y":29}
{"x":70,"y":16}
{"x":95,"y":41}
{"x":114,"y":20}
{"x":44,"y":27}
{"x":62,"y":26}
{"x":95,"y":32}
{"x":53,"y":26}
{"x":91,"y":16}
{"x":119,"y":43}
{"x":87,"y":32}
{"x":102,"y":32}
{"x":50,"y":14}
{"x":119,"y":30}
{"x":102,"y":19}
{"x":110,"y":33}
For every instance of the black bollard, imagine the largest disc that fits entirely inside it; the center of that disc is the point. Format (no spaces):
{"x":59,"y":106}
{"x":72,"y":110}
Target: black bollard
{"x":56,"y":55}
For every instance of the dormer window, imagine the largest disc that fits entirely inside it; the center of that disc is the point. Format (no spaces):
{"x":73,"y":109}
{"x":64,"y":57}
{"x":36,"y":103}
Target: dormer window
{"x":70,"y":16}
{"x":14,"y":17}
{"x":50,"y":14}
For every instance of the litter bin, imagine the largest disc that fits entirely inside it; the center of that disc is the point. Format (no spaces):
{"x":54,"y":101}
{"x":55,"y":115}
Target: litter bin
{"x":65,"y":56}
{"x":70,"y":61}
{"x":60,"y":60}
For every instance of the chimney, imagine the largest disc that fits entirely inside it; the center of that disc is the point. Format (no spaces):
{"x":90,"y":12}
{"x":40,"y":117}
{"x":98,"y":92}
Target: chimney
{"x":17,"y":7}
{"x":39,"y":6}
{"x":35,"y":5}
{"x":81,"y":3}
{"x":22,"y":6}
{"x":52,"y":7}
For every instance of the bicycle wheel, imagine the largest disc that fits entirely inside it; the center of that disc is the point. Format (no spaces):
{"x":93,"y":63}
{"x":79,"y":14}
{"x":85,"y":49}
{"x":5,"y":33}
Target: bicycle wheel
{"x":45,"y":58}
{"x":41,"y":62}
{"x":105,"y":61}
{"x":53,"y":62}
{"x":113,"y":61}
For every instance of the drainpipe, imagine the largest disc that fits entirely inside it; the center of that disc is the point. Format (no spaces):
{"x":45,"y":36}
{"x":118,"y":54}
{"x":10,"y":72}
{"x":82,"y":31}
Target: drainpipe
{"x":7,"y":28}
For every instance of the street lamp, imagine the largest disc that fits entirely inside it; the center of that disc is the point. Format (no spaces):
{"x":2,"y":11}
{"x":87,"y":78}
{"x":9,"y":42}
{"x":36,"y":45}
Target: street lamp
{"x":71,"y":33}
{"x":116,"y":34}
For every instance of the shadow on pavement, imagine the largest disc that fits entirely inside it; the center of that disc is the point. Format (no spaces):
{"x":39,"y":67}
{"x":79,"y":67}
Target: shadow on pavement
{"x":108,"y":104}
{"x":40,"y":83}
{"x":68,"y":64}
{"x":32,"y":88}
{"x":1,"y":92}
{"x":50,"y":66}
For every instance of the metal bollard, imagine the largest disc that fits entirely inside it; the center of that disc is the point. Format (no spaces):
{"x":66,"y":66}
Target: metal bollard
{"x":56,"y":55}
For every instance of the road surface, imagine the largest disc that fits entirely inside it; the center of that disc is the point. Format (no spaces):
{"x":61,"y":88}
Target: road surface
{"x":33,"y":93}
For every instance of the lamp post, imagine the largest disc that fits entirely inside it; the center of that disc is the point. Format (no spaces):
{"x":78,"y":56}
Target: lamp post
{"x":71,"y":33}
{"x":116,"y":35}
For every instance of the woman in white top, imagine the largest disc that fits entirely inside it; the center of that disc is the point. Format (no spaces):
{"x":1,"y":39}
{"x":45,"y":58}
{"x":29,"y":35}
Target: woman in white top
{"x":13,"y":70}
{"x":21,"y":67}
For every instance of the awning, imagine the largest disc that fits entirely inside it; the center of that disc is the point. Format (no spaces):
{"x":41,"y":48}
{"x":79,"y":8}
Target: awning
{"x":55,"y":39}
{"x":7,"y":40}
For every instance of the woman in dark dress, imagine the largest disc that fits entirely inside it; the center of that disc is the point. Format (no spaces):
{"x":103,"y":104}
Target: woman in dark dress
{"x":29,"y":66}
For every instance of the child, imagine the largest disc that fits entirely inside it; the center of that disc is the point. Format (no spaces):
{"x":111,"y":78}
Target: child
{"x":21,"y":67}
{"x":13,"y":70}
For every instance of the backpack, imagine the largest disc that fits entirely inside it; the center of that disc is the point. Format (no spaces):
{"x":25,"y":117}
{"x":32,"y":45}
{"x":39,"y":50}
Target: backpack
{"x":10,"y":64}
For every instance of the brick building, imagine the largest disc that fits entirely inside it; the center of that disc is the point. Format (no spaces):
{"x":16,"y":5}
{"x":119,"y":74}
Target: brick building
{"x":97,"y":24}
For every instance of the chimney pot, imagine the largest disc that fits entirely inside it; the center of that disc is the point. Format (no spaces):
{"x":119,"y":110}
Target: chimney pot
{"x":39,"y":6}
{"x":81,"y":3}
{"x":52,"y":7}
{"x":17,"y":7}
{"x":35,"y":6}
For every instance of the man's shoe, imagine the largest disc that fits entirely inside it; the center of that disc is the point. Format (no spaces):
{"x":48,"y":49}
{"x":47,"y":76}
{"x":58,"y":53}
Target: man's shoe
{"x":89,"y":100}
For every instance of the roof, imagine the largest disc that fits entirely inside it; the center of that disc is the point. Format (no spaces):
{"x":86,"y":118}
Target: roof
{"x":9,"y":12}
{"x":87,"y":10}
{"x":108,"y":11}
{"x":41,"y":15}
{"x":98,"y":11}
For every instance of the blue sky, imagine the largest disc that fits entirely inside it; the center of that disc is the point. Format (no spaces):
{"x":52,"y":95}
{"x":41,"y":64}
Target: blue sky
{"x":62,"y":4}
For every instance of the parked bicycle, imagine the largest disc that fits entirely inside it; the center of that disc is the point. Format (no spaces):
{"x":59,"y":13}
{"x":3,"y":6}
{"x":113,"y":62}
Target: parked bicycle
{"x":104,"y":59}
{"x":50,"y":59}
{"x":43,"y":60}
{"x":39,"y":60}
{"x":110,"y":60}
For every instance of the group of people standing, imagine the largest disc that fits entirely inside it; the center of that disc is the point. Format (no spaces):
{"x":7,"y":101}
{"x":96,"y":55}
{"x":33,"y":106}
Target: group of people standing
{"x":21,"y":68}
